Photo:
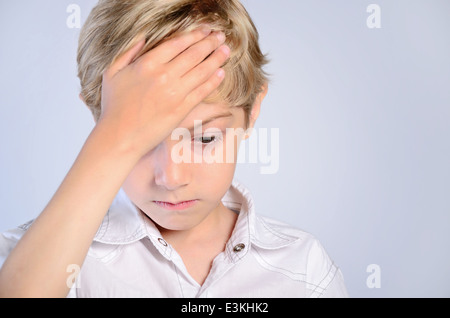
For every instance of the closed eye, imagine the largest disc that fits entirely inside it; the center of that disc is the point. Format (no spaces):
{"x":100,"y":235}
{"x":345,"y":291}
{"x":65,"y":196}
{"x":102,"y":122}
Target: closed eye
{"x":208,"y":140}
{"x":205,"y":140}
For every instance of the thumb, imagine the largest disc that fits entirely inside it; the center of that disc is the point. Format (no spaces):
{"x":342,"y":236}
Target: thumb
{"x":125,"y":59}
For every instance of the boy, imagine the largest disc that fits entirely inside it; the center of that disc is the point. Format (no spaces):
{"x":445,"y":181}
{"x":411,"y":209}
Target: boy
{"x":133,"y":218}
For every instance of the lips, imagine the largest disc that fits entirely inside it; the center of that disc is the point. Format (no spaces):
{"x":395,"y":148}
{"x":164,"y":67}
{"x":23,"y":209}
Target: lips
{"x":175,"y":206}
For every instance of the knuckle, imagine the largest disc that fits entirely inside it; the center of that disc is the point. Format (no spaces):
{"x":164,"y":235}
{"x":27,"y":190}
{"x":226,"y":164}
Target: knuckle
{"x":163,"y":78}
{"x":206,"y":89}
{"x":214,"y":43}
{"x":190,"y":100}
{"x":144,"y":67}
{"x":219,"y":38}
{"x":173,"y":95}
{"x":175,"y":110}
{"x":217,"y":59}
{"x":178,"y":43}
{"x":203,"y":91}
{"x":145,"y":62}
{"x":195,"y":51}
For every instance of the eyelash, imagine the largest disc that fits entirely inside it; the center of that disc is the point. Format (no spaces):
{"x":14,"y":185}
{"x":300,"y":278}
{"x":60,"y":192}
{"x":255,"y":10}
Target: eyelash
{"x":212,"y":139}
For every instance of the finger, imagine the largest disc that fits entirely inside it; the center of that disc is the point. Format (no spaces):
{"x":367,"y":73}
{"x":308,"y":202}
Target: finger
{"x":200,"y":93}
{"x":206,"y":69}
{"x":125,"y":59}
{"x":195,"y":54}
{"x":170,"y":49}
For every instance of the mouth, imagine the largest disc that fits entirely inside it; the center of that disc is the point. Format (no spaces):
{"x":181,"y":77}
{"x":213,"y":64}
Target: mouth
{"x":176,"y":206}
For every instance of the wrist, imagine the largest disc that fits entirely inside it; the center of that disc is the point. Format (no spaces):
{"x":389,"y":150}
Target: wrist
{"x":108,"y":140}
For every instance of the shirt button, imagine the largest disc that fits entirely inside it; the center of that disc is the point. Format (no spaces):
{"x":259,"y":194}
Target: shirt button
{"x":239,"y":248}
{"x":164,"y":243}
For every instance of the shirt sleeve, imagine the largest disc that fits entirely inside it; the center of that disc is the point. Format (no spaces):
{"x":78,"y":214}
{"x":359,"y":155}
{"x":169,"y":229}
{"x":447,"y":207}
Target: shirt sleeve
{"x":8,"y":240}
{"x":324,"y":278}
{"x":336,"y":288}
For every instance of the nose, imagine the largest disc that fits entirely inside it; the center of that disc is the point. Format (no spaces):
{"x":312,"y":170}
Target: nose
{"x":169,"y":174}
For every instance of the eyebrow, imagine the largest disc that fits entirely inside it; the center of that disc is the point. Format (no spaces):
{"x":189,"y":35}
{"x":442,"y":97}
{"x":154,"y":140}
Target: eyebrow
{"x":207,"y":121}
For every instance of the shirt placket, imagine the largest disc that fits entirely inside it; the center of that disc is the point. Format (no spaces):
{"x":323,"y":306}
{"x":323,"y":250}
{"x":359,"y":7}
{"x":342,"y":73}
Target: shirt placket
{"x":188,"y":286}
{"x":235,"y":250}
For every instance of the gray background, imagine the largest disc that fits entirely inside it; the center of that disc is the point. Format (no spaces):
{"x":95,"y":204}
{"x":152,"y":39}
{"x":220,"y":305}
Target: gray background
{"x":363,"y":117}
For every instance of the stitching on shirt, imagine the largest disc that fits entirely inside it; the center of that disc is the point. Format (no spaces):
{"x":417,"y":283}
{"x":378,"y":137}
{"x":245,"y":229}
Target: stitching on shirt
{"x":255,"y":240}
{"x":230,"y":250}
{"x":280,"y":270}
{"x":319,"y":289}
{"x":26,"y":226}
{"x":109,"y":256}
{"x":178,"y":278}
{"x":331,"y":280}
{"x":136,"y":236}
{"x":166,"y":250}
{"x":235,"y":257}
{"x":271,"y":230}
{"x":323,"y":279}
{"x":247,"y":216}
{"x":153,"y":238}
{"x":304,"y":279}
{"x":283,"y":269}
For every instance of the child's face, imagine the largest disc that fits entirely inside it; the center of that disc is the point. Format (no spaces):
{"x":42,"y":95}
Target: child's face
{"x":157,"y":178}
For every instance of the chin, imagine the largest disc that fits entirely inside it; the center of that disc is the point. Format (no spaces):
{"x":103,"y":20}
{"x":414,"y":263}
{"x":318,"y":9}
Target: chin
{"x":176,"y":221}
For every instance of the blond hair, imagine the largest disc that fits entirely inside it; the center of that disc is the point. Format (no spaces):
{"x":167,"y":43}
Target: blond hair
{"x":114,"y":26}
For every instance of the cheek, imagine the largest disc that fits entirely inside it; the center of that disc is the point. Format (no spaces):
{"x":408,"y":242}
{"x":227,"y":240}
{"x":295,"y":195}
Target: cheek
{"x":232,"y":144}
{"x":137,"y":181}
{"x":215,"y":179}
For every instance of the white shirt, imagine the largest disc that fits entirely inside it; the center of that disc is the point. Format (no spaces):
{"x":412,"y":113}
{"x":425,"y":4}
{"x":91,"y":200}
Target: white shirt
{"x":263,"y":258}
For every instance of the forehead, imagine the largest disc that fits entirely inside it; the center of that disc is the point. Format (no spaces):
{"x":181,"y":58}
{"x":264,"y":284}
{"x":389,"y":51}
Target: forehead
{"x":207,"y":111}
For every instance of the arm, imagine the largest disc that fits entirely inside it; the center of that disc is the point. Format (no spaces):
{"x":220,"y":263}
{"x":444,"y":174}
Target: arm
{"x":142,"y":102}
{"x":63,"y":232}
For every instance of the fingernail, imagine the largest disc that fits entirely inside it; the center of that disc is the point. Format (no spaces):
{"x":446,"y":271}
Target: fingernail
{"x":225,"y":49}
{"x":205,"y":29}
{"x":221,"y":36}
{"x":220,"y":73}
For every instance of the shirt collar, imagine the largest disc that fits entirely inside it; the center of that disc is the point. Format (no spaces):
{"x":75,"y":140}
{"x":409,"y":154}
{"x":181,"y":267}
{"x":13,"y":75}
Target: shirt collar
{"x":125,"y":223}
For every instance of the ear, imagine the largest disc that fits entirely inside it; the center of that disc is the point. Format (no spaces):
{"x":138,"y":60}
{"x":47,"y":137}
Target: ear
{"x":257,"y":108}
